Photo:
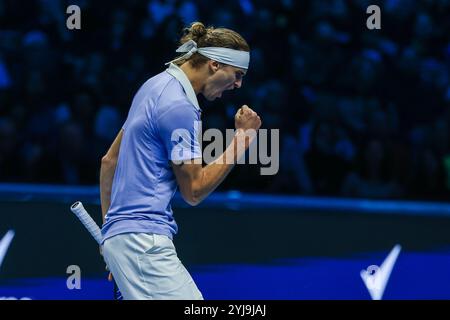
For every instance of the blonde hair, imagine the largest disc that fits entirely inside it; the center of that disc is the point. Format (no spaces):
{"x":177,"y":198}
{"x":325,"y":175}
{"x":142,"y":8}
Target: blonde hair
{"x":210,"y":37}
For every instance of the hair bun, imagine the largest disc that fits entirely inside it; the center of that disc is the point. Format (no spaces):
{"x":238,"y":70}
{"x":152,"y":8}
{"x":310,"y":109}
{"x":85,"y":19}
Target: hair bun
{"x":197,"y":30}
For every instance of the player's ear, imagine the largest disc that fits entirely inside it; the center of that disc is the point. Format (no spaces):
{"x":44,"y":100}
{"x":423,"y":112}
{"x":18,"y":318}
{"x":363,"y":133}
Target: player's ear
{"x":214,"y":65}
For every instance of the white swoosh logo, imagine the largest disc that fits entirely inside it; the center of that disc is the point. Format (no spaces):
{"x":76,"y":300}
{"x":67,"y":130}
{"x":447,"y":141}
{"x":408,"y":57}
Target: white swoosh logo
{"x":376,"y":278}
{"x":4,"y":244}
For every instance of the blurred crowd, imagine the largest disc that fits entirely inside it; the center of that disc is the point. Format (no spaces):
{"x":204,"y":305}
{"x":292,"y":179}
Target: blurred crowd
{"x":361,"y":113}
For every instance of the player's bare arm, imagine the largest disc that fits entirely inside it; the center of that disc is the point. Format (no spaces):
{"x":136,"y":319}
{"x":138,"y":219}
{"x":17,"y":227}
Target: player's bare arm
{"x":107,"y":169}
{"x":197,"y":182}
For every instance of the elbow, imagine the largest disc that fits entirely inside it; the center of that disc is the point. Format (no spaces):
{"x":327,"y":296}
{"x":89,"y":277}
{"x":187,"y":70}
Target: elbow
{"x":192,"y":197}
{"x":192,"y":200}
{"x":192,"y":203}
{"x":195,"y":202}
{"x":191,"y":188}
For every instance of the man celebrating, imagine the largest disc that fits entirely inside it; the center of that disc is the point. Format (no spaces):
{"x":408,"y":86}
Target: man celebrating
{"x":140,"y":172}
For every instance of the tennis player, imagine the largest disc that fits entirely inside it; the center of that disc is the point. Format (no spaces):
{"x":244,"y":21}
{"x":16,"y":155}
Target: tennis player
{"x":142,"y":169}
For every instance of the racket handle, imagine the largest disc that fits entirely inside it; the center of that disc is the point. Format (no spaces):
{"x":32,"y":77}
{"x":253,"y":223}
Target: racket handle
{"x":78,"y":209}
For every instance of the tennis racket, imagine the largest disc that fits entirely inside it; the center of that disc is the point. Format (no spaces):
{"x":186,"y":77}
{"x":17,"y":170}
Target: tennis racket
{"x":89,"y":223}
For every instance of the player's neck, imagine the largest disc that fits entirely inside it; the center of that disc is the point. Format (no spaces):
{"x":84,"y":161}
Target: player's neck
{"x":195,"y":76}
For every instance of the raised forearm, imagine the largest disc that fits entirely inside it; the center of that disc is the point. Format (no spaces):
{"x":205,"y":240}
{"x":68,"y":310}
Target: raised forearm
{"x":212,"y":175}
{"x":197,"y":182}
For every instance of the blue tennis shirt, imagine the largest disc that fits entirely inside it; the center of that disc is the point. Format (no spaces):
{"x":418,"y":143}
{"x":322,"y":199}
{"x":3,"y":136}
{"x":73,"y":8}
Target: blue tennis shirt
{"x":144,"y":182}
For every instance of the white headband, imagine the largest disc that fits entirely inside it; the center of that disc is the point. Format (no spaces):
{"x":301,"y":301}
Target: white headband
{"x":235,"y":58}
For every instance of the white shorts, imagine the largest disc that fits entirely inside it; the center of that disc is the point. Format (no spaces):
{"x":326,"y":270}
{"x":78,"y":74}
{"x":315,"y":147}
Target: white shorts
{"x":146,"y":266}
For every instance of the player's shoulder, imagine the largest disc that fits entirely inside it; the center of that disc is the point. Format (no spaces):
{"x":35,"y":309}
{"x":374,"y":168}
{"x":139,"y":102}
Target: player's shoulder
{"x":166,"y":96}
{"x":159,"y":89}
{"x":173,"y":97}
{"x":176,"y":107}
{"x":156,"y":84}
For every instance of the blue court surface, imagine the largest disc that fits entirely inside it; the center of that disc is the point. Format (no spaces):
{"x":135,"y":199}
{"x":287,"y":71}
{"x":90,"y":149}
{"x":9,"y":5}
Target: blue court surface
{"x":261,"y":247}
{"x":416,"y":275}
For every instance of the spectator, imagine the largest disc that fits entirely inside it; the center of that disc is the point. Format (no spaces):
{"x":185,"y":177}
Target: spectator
{"x":347,"y":101}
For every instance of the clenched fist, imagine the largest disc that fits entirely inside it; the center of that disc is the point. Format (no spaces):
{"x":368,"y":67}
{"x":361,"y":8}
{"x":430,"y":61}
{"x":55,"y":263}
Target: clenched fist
{"x":246,"y":118}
